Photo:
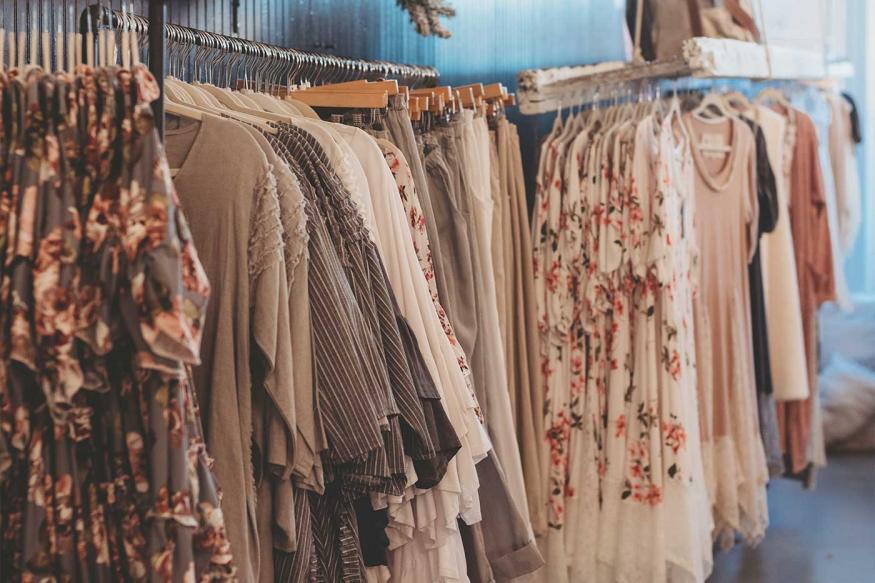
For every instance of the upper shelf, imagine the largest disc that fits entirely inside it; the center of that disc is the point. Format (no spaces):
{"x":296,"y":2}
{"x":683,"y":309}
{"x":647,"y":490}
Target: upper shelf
{"x":542,"y":90}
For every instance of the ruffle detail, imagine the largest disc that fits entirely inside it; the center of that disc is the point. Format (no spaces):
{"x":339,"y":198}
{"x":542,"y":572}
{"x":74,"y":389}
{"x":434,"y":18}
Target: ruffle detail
{"x":293,"y":215}
{"x":266,"y":230}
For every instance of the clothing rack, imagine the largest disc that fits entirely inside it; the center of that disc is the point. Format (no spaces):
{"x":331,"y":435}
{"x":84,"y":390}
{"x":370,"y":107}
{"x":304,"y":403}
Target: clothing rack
{"x":96,"y":16}
{"x":324,"y":67}
{"x":543,"y":90}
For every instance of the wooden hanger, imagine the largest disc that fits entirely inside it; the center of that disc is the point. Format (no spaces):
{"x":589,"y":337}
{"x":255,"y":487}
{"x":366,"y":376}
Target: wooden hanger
{"x":494,"y":91}
{"x":466,"y":97}
{"x":448,"y":99}
{"x":350,"y":94}
{"x":445,"y":91}
{"x":33,"y":57}
{"x":390,"y":86}
{"x":46,"y":42}
{"x":437,"y":105}
{"x":476,"y":88}
{"x":436,"y":100}
{"x":180,"y":110}
{"x":351,"y":99}
{"x":416,"y":106}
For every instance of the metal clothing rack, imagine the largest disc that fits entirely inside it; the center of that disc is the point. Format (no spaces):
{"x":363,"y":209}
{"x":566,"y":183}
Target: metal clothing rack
{"x":325,"y":67}
{"x":96,"y":14}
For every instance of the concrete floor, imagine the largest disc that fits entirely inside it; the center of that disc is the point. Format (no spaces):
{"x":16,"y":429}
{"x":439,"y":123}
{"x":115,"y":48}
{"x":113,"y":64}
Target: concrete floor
{"x":824,"y":536}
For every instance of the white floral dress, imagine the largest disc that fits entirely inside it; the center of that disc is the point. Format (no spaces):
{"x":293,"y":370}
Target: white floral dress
{"x":616,"y":254}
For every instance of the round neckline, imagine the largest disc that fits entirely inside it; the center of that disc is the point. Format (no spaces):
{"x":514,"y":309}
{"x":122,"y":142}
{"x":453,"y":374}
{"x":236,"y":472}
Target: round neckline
{"x":718,"y":181}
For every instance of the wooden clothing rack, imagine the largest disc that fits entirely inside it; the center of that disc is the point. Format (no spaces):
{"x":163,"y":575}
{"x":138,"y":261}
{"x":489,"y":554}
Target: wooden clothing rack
{"x":543,"y":90}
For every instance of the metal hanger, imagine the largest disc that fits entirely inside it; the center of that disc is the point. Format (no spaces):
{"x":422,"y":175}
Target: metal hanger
{"x":219,"y":59}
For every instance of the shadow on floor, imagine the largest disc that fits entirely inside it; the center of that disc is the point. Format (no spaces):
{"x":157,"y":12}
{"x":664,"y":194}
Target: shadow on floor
{"x":821,"y":536}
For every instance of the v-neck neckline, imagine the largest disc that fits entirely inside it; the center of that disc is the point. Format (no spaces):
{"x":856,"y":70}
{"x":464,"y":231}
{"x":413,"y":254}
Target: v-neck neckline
{"x":200,"y":130}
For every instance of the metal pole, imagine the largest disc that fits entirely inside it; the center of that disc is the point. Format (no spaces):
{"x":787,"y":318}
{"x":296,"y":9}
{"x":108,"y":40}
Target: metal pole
{"x":158,"y":56}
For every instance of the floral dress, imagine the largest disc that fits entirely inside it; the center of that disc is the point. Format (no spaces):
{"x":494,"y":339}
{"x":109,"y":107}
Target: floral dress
{"x":557,"y":420}
{"x":726,"y":226}
{"x":616,"y":267}
{"x":103,"y":296}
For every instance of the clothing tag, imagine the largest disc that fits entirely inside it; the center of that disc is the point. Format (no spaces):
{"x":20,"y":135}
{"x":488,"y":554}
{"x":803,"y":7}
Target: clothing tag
{"x":713,"y":145}
{"x":713,"y":142}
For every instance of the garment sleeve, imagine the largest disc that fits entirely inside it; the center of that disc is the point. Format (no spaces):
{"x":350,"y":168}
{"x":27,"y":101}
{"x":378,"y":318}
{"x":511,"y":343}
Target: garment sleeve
{"x":272,"y":354}
{"x":751,"y":203}
{"x":767,"y":189}
{"x":272,"y":351}
{"x":5,"y":458}
{"x":844,"y":165}
{"x":822,"y":266}
{"x":852,"y":211}
{"x":168,"y":285}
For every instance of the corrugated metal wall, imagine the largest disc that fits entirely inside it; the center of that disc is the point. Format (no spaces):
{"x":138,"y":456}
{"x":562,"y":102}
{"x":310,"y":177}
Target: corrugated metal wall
{"x":492,"y":39}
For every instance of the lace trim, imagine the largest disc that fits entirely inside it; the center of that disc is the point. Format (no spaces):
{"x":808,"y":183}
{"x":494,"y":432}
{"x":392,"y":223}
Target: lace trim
{"x":738,"y":498}
{"x":266,"y":230}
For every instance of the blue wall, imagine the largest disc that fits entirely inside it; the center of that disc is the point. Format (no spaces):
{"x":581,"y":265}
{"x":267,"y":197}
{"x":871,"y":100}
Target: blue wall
{"x":494,"y":39}
{"x":860,"y":265}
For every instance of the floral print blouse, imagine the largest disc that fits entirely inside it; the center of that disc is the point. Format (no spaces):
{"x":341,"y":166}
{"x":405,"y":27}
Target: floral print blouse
{"x":416,"y":221}
{"x":103,"y":470}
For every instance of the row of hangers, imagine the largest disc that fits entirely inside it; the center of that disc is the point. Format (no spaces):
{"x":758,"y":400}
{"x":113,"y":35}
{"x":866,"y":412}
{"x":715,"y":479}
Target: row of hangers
{"x":46,"y":34}
{"x":490,"y":99}
{"x":323,"y":80}
{"x":434,"y":102}
{"x":216,"y":56}
{"x":318,"y":80}
{"x":113,"y":36}
{"x":709,"y":102}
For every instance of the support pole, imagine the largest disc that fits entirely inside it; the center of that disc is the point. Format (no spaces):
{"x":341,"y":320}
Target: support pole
{"x":158,"y":56}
